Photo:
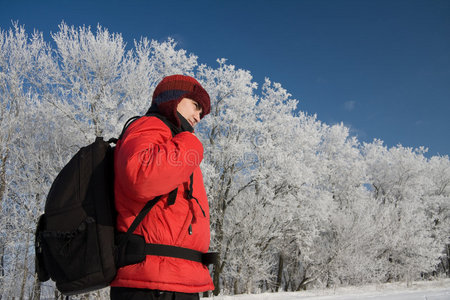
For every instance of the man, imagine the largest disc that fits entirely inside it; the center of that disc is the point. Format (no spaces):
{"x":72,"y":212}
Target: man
{"x":160,"y":155}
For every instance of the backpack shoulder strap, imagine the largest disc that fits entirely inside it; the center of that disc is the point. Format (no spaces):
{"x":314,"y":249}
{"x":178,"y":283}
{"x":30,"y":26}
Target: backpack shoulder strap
{"x":127,"y":123}
{"x":149,"y":205}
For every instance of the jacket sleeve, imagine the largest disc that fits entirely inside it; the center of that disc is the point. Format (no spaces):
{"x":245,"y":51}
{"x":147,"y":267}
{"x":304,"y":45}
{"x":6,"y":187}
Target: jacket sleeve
{"x":149,"y":162}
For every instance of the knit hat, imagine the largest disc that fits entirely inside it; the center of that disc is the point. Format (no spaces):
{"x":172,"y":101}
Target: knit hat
{"x":172,"y":89}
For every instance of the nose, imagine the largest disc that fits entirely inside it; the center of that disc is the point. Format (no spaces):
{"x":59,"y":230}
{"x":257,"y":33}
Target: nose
{"x":197,"y":116}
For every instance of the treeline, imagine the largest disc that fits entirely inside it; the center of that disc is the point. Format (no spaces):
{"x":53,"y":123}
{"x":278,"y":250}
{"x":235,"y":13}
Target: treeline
{"x":295,"y":203}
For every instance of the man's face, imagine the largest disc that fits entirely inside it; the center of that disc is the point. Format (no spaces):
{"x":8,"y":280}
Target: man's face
{"x":190,"y":110}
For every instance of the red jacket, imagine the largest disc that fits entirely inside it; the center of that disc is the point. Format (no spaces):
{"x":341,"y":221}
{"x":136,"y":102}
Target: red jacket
{"x":149,"y":162}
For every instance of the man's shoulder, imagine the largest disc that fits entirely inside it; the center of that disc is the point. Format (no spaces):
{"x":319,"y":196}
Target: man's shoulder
{"x":148,"y":125}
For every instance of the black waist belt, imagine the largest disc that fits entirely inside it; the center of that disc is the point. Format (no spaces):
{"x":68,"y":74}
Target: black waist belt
{"x":180,"y":252}
{"x":132,"y":249}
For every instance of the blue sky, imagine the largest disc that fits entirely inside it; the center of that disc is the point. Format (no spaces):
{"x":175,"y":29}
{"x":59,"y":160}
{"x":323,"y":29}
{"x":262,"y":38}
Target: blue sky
{"x":380,"y":67}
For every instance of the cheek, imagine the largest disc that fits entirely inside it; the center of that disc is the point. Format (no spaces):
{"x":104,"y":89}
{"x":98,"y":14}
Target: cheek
{"x":182,"y":109}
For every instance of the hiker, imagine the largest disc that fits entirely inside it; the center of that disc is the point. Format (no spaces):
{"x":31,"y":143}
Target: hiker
{"x":160,"y":155}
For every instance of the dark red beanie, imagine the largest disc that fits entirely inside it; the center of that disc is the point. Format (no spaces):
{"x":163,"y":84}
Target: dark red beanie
{"x":172,"y":89}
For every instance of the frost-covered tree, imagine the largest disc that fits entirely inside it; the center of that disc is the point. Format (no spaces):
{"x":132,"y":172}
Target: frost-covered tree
{"x":226,"y":134}
{"x":437,"y":201}
{"x":286,"y":179}
{"x":406,"y":243}
{"x":25,"y":67}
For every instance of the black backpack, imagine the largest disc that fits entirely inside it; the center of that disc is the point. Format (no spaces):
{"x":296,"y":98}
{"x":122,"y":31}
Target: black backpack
{"x":76,"y":244}
{"x":75,"y":236}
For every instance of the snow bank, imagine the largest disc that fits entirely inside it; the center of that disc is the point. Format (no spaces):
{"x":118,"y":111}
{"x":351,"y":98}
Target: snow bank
{"x":421,"y":290}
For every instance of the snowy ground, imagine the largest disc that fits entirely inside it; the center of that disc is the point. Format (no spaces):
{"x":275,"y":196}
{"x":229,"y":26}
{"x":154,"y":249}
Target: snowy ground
{"x":434,"y":290}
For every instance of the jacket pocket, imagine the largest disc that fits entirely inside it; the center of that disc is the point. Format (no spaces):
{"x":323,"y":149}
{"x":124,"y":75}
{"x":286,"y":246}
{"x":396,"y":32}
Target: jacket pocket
{"x":186,"y":231}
